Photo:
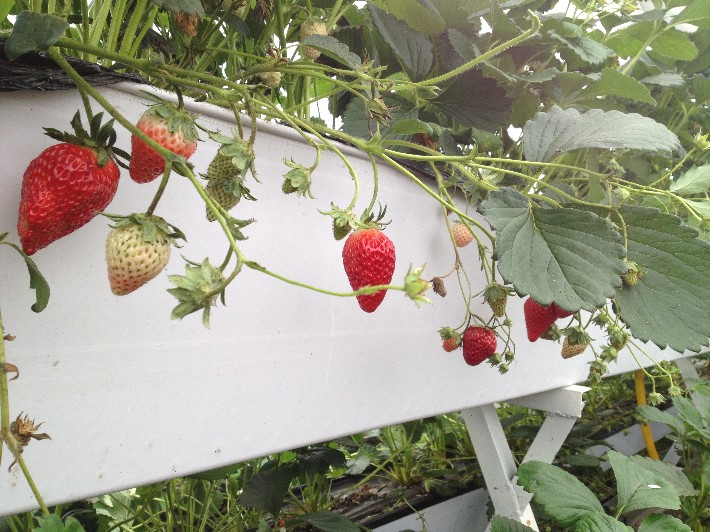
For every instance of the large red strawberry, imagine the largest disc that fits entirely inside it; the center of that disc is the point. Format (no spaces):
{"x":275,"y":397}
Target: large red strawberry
{"x":369,"y":258}
{"x":65,"y":186}
{"x":171,"y":127}
{"x":479,"y":343}
{"x":538,"y":318}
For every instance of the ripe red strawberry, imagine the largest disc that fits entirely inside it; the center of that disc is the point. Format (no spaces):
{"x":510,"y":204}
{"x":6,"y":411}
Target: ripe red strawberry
{"x":137,"y":250}
{"x":64,"y":187}
{"x":462,"y":235}
{"x":560,"y":312}
{"x":479,"y":343}
{"x":169,"y":126}
{"x":538,"y":318}
{"x":369,"y":260}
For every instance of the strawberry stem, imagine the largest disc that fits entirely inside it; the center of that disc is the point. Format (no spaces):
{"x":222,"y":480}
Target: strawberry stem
{"x":161,"y":188}
{"x":6,"y":436}
{"x":4,"y":395}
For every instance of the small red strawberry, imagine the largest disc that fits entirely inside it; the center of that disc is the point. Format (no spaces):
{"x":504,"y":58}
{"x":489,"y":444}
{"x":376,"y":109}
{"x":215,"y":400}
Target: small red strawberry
{"x":137,"y":250}
{"x":462,"y":235}
{"x":172,"y":128}
{"x":537,"y":318}
{"x":369,"y":260}
{"x":450,"y":339}
{"x":479,"y":343}
{"x":65,"y":186}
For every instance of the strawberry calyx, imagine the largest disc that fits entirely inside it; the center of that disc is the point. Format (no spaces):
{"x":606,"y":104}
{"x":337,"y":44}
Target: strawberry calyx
{"x":100,"y":138}
{"x":177,"y":118}
{"x":151,"y":226}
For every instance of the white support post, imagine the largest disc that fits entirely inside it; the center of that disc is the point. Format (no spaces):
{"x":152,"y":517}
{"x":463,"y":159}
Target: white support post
{"x":564,"y":407}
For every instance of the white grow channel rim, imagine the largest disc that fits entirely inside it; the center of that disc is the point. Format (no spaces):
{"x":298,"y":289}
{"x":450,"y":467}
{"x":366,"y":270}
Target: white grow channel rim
{"x":131,"y":397}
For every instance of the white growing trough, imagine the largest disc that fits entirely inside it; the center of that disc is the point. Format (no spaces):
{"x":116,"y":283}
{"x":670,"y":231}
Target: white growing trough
{"x":131,"y":397}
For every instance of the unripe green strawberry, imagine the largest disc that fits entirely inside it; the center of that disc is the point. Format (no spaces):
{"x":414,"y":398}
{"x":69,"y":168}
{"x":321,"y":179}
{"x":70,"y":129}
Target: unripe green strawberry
{"x":312,"y":27}
{"x":221,"y":167}
{"x":222,"y":192}
{"x":270,"y":79}
{"x":496,"y":296}
{"x":137,"y":250}
{"x":462,"y":235}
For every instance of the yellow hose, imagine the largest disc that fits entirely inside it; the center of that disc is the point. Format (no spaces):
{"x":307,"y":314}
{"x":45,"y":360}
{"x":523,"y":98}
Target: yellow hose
{"x":640,"y":387}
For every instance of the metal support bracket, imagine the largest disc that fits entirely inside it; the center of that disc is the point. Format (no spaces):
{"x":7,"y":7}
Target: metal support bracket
{"x":564,"y":407}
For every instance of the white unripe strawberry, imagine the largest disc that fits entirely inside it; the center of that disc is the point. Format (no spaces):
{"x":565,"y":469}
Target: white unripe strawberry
{"x":462,"y":235}
{"x":135,"y":255}
{"x":312,"y":27}
{"x":270,"y":79}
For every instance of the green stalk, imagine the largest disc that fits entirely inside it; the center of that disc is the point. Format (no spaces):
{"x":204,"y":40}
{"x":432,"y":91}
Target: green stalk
{"x":146,"y":26}
{"x":4,"y":395}
{"x":85,"y":22}
{"x":536,"y":24}
{"x":117,"y":15}
{"x":130,"y":34}
{"x":30,"y":481}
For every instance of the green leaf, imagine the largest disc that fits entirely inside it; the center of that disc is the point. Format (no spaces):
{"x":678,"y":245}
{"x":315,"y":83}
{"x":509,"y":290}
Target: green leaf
{"x":614,"y":83}
{"x":409,"y":127}
{"x":475,"y":101}
{"x":320,"y":460}
{"x":561,"y":495}
{"x":700,"y":87}
{"x":675,"y":44}
{"x":665,"y":79}
{"x":334,"y":49}
{"x":588,"y":50}
{"x":264,"y":526}
{"x":191,"y":7}
{"x":558,"y":130}
{"x":670,"y":304}
{"x":5,"y":8}
{"x":688,"y":413}
{"x":504,"y":524}
{"x":653,"y":414}
{"x":219,"y":473}
{"x":53,"y":523}
{"x":696,"y":12}
{"x":567,"y":256}
{"x":420,"y":16}
{"x":267,"y":489}
{"x":116,"y":507}
{"x":639,"y":488}
{"x":411,"y":47}
{"x":694,"y":181}
{"x":663,"y":523}
{"x":330,"y":522}
{"x":33,"y":32}
{"x":600,"y":523}
{"x":37,"y":281}
{"x":668,"y":472}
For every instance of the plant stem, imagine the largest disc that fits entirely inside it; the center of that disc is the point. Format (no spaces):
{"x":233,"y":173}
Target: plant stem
{"x":4,"y":394}
{"x":490,"y":53}
{"x":30,"y":481}
{"x":161,"y":188}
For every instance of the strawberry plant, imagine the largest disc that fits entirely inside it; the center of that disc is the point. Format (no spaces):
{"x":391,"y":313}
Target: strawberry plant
{"x":567,"y":142}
